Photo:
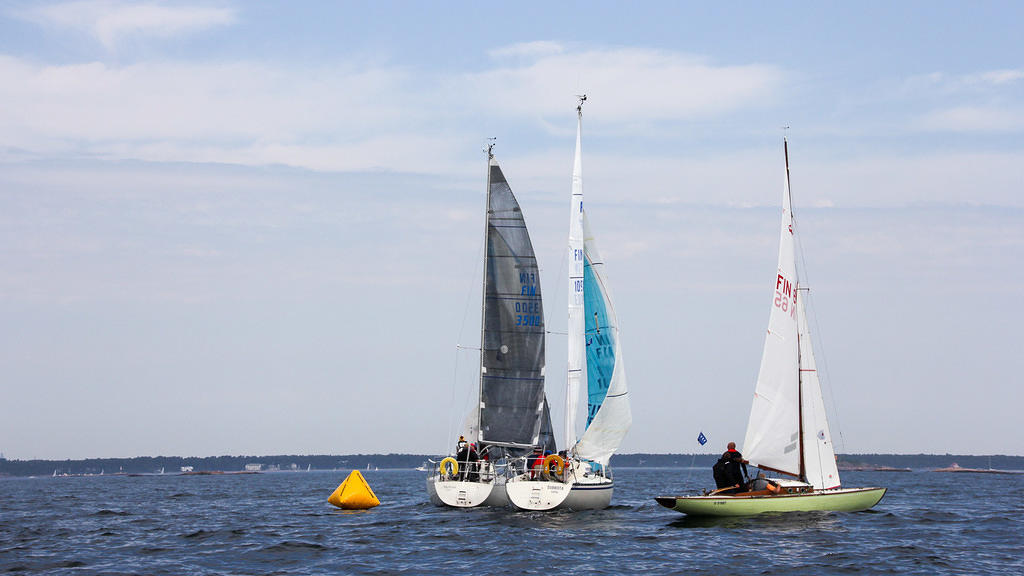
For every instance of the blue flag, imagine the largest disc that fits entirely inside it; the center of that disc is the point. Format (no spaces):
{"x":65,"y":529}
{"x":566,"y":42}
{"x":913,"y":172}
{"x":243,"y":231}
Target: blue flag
{"x":702,"y":439}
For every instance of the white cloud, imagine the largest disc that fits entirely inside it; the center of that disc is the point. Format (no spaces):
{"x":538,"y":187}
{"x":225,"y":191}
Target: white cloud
{"x":110,"y":21}
{"x":324,"y":119}
{"x":628,"y":85}
{"x":343,"y":116}
{"x":980,"y":102}
{"x":979,"y":81}
{"x":974,"y":119}
{"x":998,"y":77}
{"x":528,"y":50}
{"x":752,"y":177}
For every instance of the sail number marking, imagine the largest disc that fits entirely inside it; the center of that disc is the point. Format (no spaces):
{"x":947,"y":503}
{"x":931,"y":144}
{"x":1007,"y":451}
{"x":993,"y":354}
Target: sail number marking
{"x":528,"y":314}
{"x":785,"y":295}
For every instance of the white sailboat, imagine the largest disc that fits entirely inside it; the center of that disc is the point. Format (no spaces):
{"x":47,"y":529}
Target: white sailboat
{"x":512,"y":414}
{"x":788,"y":431}
{"x":580,"y":479}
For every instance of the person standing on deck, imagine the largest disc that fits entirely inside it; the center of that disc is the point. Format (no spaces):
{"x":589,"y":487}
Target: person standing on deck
{"x":462,"y":456}
{"x":731,"y":469}
{"x":734,"y":454}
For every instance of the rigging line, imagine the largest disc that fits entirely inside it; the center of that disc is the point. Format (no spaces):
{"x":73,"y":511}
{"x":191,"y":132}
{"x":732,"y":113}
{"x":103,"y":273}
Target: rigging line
{"x":820,"y":352}
{"x":455,"y":379}
{"x":477,"y":262}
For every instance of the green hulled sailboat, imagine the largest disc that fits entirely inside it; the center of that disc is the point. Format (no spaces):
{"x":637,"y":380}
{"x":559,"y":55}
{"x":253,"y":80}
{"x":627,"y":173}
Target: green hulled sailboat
{"x":788,"y":432}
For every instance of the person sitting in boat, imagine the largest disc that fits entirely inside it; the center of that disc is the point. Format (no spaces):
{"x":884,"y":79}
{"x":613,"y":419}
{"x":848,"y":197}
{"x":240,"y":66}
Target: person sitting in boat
{"x":762,"y":482}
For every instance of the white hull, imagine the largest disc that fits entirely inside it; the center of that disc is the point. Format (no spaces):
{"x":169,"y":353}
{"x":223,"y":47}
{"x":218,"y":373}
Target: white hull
{"x":539,"y":495}
{"x":445,"y":491}
{"x":461,"y":493}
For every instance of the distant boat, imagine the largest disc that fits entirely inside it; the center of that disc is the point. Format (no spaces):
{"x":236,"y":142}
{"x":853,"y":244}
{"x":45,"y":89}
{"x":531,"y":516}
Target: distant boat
{"x":954,"y":467}
{"x":422,"y":467}
{"x":846,"y":466}
{"x":788,"y":430}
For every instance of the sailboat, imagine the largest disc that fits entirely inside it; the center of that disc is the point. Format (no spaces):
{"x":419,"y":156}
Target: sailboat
{"x":788,"y":431}
{"x":579,"y":478}
{"x":512,"y":414}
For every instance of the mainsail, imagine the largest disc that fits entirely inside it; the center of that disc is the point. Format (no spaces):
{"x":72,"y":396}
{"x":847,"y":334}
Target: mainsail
{"x":788,"y":429}
{"x":512,"y":402}
{"x":577,"y":365}
{"x":773,"y":431}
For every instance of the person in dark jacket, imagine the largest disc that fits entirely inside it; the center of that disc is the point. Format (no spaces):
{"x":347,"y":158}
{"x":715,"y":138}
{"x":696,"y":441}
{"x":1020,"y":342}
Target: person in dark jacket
{"x":735,"y":455}
{"x":474,"y":464}
{"x":731,"y":470}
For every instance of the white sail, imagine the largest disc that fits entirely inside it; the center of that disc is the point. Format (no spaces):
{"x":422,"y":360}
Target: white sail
{"x":819,"y":453}
{"x":773,"y":431}
{"x":609,"y":416}
{"x":577,"y":360}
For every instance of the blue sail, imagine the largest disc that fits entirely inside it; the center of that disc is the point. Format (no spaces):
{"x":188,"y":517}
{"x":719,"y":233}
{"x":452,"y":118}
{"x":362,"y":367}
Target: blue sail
{"x":599,"y":340}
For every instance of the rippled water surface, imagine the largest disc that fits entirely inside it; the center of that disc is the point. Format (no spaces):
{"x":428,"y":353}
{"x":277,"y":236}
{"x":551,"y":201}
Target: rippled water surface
{"x":280,"y":523}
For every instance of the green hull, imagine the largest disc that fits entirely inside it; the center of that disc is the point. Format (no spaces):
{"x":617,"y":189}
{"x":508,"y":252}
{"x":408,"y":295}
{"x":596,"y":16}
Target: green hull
{"x":837,"y":500}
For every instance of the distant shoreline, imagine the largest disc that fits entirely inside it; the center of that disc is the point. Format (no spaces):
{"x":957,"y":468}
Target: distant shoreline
{"x":177,"y":464}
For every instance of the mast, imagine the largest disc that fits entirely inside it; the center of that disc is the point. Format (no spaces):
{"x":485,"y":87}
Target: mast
{"x":799,"y":372}
{"x":483,"y":288}
{"x":577,"y":352}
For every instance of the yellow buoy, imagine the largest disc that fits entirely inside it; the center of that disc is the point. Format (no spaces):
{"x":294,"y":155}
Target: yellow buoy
{"x":354,"y":494}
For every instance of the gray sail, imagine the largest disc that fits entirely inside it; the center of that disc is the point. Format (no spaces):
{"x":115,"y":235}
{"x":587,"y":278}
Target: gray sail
{"x":512,"y":402}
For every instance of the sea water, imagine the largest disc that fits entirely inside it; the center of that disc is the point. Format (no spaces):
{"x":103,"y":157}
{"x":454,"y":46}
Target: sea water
{"x":281,"y":523}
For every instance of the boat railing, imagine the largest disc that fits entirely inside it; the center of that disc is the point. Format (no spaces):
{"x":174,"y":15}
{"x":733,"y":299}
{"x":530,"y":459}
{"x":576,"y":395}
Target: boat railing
{"x":532,"y":468}
{"x":471,"y":470}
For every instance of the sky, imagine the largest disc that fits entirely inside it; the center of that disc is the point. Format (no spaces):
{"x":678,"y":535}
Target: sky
{"x":256,"y":228}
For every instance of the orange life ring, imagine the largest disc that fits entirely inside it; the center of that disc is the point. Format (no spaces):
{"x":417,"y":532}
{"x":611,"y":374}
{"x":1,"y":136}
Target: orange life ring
{"x":559,"y":464}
